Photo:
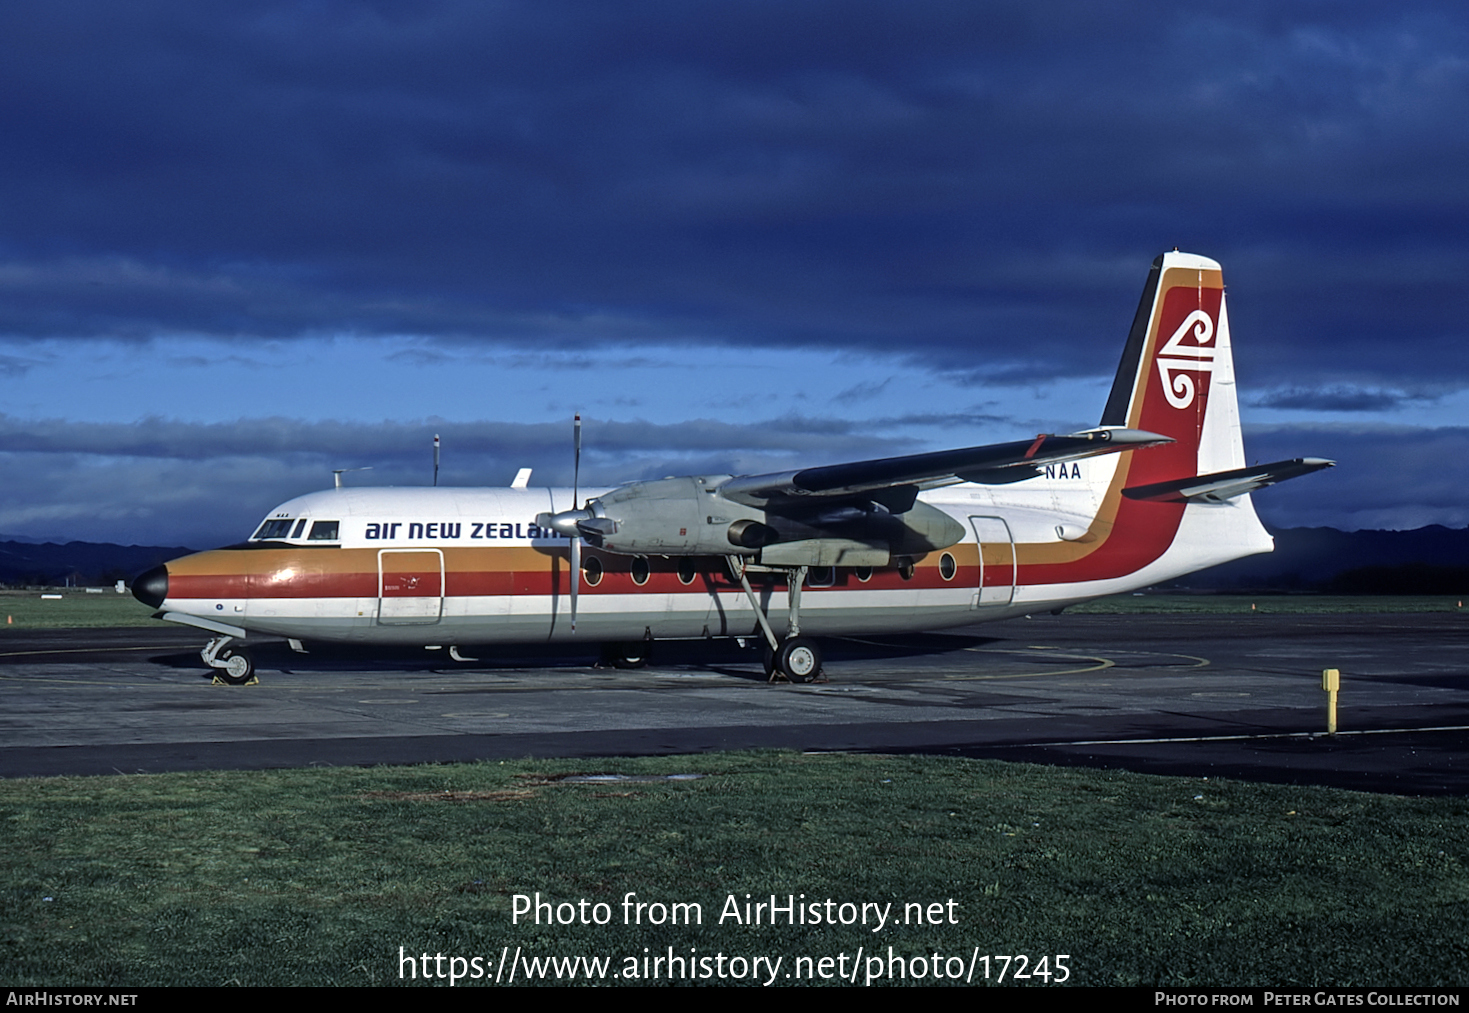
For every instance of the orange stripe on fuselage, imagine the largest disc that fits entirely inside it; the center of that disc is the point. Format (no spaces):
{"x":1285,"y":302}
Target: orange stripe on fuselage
{"x":472,"y":572}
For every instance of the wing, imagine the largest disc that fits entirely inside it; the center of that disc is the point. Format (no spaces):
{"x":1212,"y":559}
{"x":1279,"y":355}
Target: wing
{"x":1225,"y":485}
{"x":714,"y":515}
{"x":996,"y":464}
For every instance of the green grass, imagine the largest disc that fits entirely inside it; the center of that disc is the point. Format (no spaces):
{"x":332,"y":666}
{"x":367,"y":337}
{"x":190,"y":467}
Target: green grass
{"x":319,"y":876}
{"x":22,"y":610}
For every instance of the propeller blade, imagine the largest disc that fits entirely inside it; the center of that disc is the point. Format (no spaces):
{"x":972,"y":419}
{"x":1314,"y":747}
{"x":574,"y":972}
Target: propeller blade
{"x":575,"y":577}
{"x":575,"y":493}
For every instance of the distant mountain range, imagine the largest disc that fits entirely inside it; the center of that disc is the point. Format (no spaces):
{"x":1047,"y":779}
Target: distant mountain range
{"x":1431,"y":560}
{"x":80,"y":564}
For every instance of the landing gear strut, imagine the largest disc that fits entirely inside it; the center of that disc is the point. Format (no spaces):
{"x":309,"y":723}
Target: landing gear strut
{"x":232,"y":665}
{"x":794,"y":658}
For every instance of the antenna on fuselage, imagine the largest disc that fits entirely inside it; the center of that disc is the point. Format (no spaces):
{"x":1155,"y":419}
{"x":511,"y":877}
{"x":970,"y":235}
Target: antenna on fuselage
{"x":337,"y":475}
{"x":436,"y":458}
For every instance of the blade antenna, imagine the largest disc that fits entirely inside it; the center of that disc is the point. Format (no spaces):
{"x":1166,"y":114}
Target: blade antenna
{"x":575,"y":491}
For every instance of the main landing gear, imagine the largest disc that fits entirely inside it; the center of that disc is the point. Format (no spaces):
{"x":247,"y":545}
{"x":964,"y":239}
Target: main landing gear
{"x":798,"y":659}
{"x":630,"y":654}
{"x":794,"y":658}
{"x":232,"y":663}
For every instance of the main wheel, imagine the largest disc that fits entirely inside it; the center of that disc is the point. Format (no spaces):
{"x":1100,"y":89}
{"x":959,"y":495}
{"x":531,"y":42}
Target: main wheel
{"x":770,"y":659}
{"x":799,"y":659}
{"x":239,"y":666}
{"x":632,"y":654}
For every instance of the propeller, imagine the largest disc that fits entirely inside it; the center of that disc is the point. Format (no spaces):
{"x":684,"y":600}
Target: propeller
{"x":568,"y":522}
{"x":576,"y":539}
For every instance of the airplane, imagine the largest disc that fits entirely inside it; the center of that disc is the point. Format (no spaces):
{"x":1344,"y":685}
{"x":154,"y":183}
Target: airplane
{"x":1158,"y":489}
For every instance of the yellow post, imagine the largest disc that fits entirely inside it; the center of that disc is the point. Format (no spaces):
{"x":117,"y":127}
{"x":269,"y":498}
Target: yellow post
{"x":1331,"y":682}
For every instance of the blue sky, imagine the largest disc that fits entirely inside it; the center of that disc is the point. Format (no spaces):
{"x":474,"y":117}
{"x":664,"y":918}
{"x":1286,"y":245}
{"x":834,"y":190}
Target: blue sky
{"x":244,"y":244}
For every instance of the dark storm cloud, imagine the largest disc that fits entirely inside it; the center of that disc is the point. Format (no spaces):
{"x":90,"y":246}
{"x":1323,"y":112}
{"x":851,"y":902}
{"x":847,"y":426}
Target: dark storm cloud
{"x":208,"y":484}
{"x":1342,"y":399}
{"x":978,"y":185}
{"x":204,"y":485}
{"x":189,"y":441}
{"x":1387,"y":476}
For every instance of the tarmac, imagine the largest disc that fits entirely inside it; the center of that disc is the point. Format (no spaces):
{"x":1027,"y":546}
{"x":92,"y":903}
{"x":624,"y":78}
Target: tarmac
{"x":1196,"y":696}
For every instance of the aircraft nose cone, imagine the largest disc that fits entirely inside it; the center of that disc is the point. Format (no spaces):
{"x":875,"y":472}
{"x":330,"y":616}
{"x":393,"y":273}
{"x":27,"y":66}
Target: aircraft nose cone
{"x":151,"y":587}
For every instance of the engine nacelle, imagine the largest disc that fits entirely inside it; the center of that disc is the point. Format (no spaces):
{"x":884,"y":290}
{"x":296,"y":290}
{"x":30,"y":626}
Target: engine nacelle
{"x":675,"y":517}
{"x":689,"y":517}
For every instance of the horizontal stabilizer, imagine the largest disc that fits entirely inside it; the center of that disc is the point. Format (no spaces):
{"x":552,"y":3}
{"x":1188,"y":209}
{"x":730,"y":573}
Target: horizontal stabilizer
{"x":1226,"y":485}
{"x":994,"y":464}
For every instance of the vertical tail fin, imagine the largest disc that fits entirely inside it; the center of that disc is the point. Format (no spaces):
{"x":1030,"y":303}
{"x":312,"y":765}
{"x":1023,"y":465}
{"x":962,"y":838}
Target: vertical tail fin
{"x":1177,"y":373}
{"x":1176,"y":379}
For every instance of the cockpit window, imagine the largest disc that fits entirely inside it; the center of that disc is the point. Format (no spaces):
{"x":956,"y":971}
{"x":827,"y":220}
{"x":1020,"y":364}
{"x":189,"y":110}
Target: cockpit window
{"x":324,"y":531}
{"x":300,"y":527}
{"x":275,"y":528}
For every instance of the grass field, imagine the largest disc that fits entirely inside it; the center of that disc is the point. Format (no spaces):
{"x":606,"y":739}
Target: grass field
{"x":319,"y":876}
{"x":73,"y":610}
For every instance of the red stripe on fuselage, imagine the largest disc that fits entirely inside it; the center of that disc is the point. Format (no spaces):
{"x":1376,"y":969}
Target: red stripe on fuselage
{"x":287,"y":581}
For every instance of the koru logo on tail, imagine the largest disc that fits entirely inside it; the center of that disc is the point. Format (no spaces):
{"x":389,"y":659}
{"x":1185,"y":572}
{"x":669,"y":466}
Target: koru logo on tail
{"x":1178,"y":386}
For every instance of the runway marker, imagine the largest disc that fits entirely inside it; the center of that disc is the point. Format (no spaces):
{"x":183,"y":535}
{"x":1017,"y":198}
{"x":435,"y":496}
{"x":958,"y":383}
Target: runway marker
{"x":1331,"y":682}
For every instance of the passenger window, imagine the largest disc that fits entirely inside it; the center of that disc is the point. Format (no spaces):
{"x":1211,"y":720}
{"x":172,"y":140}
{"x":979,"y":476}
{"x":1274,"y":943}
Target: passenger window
{"x":592,"y":568}
{"x":324,"y":531}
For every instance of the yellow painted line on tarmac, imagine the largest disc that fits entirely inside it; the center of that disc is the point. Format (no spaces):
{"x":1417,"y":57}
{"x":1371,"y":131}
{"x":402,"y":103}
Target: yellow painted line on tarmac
{"x":92,"y":650}
{"x":1197,"y":661}
{"x":1098,"y":665}
{"x":86,"y":682}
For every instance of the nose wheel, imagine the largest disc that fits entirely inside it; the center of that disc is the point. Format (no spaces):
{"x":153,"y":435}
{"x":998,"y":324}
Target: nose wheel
{"x":239,"y":667}
{"x":233,"y":665}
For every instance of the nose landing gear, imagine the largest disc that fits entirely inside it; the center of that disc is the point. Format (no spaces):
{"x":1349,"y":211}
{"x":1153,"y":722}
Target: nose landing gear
{"x":233,"y":665}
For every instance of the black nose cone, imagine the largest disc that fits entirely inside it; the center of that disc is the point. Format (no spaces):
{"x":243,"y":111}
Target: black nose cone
{"x":152,"y":587}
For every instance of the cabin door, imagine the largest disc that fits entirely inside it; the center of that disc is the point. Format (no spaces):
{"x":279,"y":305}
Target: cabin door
{"x":996,"y":561}
{"x":410,"y":587}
